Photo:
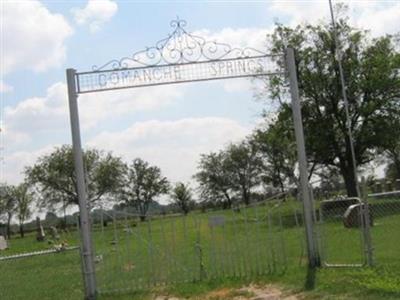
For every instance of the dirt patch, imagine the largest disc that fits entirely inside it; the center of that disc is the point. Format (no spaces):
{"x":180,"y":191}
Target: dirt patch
{"x":251,"y":292}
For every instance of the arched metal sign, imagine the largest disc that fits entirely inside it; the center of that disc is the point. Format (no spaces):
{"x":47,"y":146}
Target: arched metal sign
{"x":181,"y":57}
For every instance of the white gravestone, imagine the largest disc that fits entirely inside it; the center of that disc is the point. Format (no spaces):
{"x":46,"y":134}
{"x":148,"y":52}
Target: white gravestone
{"x":3,"y":243}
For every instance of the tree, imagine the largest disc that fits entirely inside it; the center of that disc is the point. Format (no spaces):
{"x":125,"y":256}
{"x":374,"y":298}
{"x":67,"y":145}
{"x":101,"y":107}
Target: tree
{"x":51,"y":219}
{"x":277,"y":147}
{"x":392,"y":151}
{"x":24,"y":198}
{"x":214,"y":179}
{"x":142,"y":183}
{"x":7,"y":204}
{"x":244,"y":166}
{"x":371,"y":68}
{"x":182,"y":197}
{"x":54,"y":176}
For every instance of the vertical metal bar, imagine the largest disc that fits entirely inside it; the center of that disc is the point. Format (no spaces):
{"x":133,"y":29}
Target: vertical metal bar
{"x":152,"y":275}
{"x":167,"y":261}
{"x":312,"y":251}
{"x":365,"y":224}
{"x":213,"y":259}
{"x":250,"y":258}
{"x":258,"y":234}
{"x":271,"y":246}
{"x":346,"y":102}
{"x":87,"y":247}
{"x":104,"y":246}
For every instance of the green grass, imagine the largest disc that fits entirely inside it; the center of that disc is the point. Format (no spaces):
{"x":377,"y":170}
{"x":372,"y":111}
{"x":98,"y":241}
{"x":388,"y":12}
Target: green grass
{"x":185,"y":257}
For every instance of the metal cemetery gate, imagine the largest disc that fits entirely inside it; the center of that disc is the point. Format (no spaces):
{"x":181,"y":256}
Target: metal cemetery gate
{"x":132,"y":255}
{"x":342,"y":222}
{"x":181,"y":57}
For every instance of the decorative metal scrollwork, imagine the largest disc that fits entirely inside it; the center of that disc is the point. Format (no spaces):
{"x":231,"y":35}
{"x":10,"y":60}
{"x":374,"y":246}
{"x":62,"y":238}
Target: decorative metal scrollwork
{"x":178,"y":48}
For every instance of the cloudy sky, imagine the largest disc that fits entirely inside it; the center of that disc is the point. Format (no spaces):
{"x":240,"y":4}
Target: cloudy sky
{"x":167,"y":125}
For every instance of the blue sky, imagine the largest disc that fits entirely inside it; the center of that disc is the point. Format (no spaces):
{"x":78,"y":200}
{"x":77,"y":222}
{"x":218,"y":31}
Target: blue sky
{"x":167,"y":125}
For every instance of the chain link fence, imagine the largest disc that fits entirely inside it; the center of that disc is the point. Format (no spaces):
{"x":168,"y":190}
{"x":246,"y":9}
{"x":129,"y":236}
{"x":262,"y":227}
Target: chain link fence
{"x":384,"y":204}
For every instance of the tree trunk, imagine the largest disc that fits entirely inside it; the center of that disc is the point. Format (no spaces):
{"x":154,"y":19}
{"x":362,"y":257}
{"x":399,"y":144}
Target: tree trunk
{"x":21,"y":230}
{"x":64,"y":225}
{"x":246,"y":197}
{"x":142,"y":209}
{"x":9,"y":225}
{"x":281,"y":185}
{"x":349,"y":180}
{"x":228,"y":201}
{"x":397,"y":164}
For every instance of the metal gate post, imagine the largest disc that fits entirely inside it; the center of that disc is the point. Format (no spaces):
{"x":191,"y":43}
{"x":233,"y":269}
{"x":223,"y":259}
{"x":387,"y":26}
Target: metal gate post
{"x":312,"y":249}
{"x":86,"y":241}
{"x":366,"y":224}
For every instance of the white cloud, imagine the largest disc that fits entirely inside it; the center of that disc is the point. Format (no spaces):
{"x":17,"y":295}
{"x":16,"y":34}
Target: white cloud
{"x":4,"y":87}
{"x":105,"y":105}
{"x":95,"y":13}
{"x":380,"y":17}
{"x":50,"y":113}
{"x":36,"y":114}
{"x":174,"y":146}
{"x":15,"y":163}
{"x":241,"y":37}
{"x":33,"y":37}
{"x":300,"y":11}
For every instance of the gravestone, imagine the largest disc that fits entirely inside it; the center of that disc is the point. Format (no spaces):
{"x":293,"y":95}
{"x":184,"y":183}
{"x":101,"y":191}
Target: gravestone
{"x":352,"y":217}
{"x":40,"y":236}
{"x":3,"y":243}
{"x":54,"y":233}
{"x":214,"y":221}
{"x":335,"y":208}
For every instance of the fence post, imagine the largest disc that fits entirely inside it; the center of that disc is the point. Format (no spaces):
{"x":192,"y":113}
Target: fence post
{"x":312,"y":249}
{"x":366,"y":223}
{"x":86,"y":242}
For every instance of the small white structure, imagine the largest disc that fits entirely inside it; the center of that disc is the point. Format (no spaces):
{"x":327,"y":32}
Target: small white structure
{"x":3,"y":243}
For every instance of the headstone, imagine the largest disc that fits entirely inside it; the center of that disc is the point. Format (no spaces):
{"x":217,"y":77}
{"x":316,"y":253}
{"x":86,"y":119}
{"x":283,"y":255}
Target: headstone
{"x":336,"y":207}
{"x":352,"y":217}
{"x":54,"y":233}
{"x":40,"y":236}
{"x":214,"y":221}
{"x":3,"y":243}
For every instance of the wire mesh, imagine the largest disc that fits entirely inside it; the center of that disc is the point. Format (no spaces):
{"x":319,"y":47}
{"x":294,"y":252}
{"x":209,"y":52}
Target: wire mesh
{"x":342,"y":232}
{"x":385,"y":212}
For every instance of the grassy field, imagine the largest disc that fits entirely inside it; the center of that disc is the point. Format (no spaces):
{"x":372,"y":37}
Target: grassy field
{"x":185,"y":256}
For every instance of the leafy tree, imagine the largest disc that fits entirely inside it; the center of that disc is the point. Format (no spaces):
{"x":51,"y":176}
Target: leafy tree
{"x":182,"y":197}
{"x":7,"y":204}
{"x":142,"y":183}
{"x":392,"y":150}
{"x":244,"y":166}
{"x":214,"y":179}
{"x":24,"y":198}
{"x":391,"y":172}
{"x":277,"y":147}
{"x":54,"y":176}
{"x":51,"y":219}
{"x":371,"y":68}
